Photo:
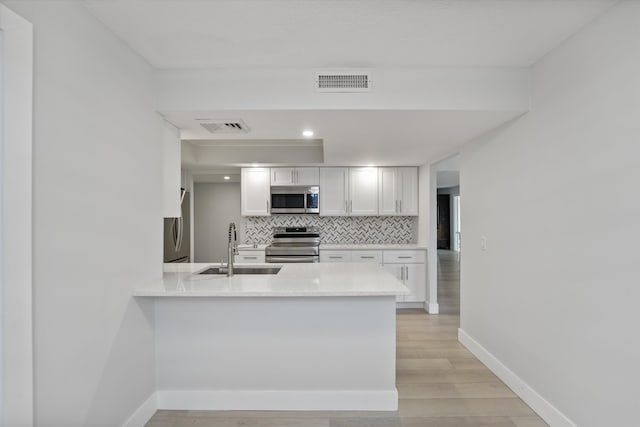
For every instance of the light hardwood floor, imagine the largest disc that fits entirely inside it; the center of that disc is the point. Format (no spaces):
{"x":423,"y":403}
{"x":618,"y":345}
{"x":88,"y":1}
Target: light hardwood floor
{"x":440,"y":383}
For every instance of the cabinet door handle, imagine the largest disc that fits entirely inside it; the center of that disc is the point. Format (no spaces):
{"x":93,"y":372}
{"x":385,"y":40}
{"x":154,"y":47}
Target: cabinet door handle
{"x":400,"y":209}
{"x":350,"y":206}
{"x":402,"y":273}
{"x":406,"y":276}
{"x":267,"y":206}
{"x":291,"y":173}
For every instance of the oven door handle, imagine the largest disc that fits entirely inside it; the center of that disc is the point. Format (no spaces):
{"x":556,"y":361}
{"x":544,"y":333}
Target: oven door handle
{"x":290,"y":259}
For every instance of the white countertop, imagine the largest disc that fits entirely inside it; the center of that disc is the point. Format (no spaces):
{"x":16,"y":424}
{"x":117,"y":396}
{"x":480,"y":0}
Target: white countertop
{"x":293,"y":280}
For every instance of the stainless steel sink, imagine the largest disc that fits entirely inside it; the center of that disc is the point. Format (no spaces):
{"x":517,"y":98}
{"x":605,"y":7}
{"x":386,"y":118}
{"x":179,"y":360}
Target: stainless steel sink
{"x":242,"y":270}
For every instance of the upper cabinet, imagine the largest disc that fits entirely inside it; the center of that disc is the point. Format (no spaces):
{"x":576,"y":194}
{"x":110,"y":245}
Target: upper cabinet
{"x":255,"y":192}
{"x":295,"y":176}
{"x":398,"y":191}
{"x":334,"y":191}
{"x":363,"y":189}
{"x":348,"y":191}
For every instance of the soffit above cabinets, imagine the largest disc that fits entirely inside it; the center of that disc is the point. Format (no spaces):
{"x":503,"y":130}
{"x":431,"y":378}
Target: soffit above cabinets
{"x":205,"y":155}
{"x":341,"y":137}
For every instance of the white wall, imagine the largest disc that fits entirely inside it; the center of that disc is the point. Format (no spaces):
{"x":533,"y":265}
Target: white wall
{"x":16,"y":319}
{"x":215,"y":206}
{"x":555,"y":296}
{"x":429,"y":88}
{"x":97,"y":219}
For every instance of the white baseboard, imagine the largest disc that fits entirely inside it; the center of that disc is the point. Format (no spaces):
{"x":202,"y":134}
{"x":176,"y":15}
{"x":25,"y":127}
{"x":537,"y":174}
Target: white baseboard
{"x":409,"y":305}
{"x":432,"y":308}
{"x":428,"y":307}
{"x":546,"y":410}
{"x":271,"y":400}
{"x":144,"y":412}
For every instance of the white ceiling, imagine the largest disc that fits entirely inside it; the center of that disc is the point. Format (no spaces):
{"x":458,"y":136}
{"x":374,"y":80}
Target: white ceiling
{"x":342,"y":34}
{"x":345,"y":33}
{"x":360,"y":137}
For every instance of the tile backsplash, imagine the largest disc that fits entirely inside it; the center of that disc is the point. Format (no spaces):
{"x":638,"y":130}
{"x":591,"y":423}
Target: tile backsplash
{"x":336,"y":229}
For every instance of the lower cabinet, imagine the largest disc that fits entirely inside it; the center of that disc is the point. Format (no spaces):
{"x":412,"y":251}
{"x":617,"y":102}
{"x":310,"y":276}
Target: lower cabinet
{"x":335,"y":256}
{"x":398,"y":272}
{"x":408,"y":266}
{"x":250,"y":257}
{"x":414,"y":277}
{"x":366,"y":256}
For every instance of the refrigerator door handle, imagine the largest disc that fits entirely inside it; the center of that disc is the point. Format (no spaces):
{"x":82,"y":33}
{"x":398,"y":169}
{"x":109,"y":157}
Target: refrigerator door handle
{"x":180,"y":234}
{"x":174,"y":233}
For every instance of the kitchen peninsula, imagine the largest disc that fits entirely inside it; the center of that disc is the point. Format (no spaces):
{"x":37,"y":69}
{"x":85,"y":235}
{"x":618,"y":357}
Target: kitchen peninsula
{"x":312,"y":337}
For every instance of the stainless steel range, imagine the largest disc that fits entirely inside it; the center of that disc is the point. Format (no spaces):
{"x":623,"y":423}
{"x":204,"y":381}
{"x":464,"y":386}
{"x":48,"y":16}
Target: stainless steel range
{"x":294,"y":244}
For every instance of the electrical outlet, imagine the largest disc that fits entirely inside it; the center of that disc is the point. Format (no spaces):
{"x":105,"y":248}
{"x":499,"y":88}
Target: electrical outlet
{"x":483,"y":243}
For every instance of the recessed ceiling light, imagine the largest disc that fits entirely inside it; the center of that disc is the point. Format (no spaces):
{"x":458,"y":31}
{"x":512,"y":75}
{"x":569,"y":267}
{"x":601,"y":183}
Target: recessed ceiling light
{"x":307,"y":133}
{"x":227,"y":178}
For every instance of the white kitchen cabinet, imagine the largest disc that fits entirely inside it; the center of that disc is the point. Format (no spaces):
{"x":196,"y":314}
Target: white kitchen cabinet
{"x":398,"y":272}
{"x":307,"y":176}
{"x":334,"y":191}
{"x":250,"y":256}
{"x":398,"y":191}
{"x":404,"y":256}
{"x":366,"y":256}
{"x":327,"y":255}
{"x":295,"y":176}
{"x":415,"y":278}
{"x":255,"y":192}
{"x":348,"y":191}
{"x":282,"y":176}
{"x":408,"y":266}
{"x":388,"y":191}
{"x":363,"y":191}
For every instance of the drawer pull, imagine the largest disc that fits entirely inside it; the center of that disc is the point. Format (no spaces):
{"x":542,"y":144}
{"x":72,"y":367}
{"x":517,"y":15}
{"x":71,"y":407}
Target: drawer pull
{"x":335,"y":257}
{"x":405,"y":257}
{"x":250,"y":257}
{"x":367,"y":257}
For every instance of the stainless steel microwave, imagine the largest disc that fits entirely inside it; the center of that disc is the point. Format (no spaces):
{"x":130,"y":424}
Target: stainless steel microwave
{"x":295,"y":200}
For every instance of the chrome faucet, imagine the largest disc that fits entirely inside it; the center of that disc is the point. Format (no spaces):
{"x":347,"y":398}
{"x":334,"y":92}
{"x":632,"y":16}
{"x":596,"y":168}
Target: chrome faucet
{"x":232,"y":248}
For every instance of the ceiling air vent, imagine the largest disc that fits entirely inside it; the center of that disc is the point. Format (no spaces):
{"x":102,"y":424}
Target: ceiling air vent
{"x":224,"y":125}
{"x":343,"y":82}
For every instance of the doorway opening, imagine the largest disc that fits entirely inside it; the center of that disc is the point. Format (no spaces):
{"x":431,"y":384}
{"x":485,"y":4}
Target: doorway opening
{"x":456,"y":223}
{"x":448,"y":225}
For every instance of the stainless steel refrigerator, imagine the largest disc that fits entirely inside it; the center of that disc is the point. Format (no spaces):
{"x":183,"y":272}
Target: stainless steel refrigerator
{"x":177,"y":233}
